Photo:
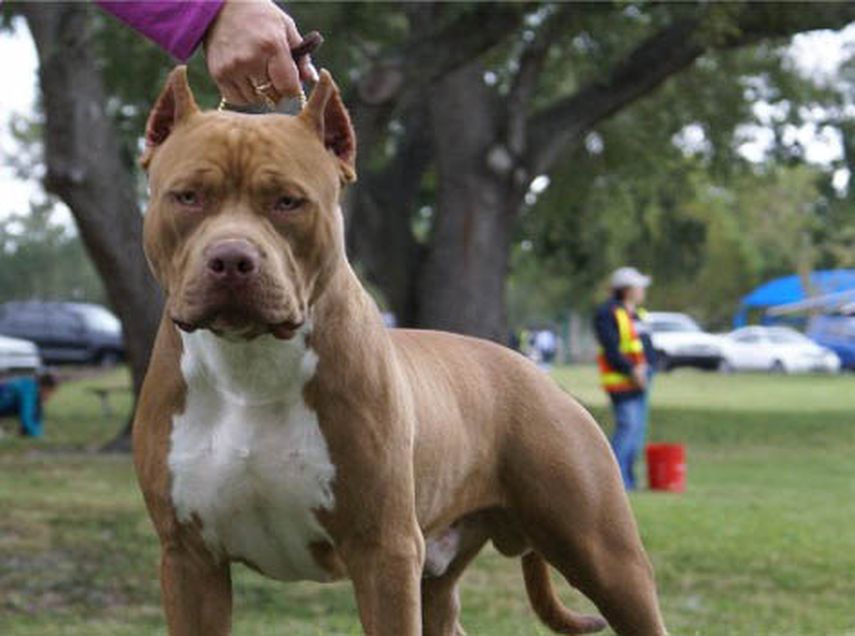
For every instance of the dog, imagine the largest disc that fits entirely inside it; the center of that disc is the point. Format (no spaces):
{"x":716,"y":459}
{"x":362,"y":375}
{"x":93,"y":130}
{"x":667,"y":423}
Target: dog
{"x":282,"y":426}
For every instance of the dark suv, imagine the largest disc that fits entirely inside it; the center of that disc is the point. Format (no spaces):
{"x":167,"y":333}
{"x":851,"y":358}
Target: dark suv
{"x":65,"y":332}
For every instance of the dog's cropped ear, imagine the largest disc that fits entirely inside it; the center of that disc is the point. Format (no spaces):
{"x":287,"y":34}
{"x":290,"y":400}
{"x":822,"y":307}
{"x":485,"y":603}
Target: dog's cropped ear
{"x":175,"y":104}
{"x":325,"y":112}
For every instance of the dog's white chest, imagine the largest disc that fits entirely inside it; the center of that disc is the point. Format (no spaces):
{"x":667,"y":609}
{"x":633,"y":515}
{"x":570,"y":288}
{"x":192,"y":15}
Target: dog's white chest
{"x":248,"y":459}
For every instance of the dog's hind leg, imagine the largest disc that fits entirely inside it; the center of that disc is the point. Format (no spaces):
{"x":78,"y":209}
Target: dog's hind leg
{"x":564,"y":489}
{"x":617,"y":578}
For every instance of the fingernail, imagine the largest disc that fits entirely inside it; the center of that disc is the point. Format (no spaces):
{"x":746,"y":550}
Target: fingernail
{"x":313,"y":72}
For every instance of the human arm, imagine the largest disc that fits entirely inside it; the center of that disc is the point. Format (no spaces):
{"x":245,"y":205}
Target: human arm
{"x":176,"y":27}
{"x":641,"y":375}
{"x":247,"y":43}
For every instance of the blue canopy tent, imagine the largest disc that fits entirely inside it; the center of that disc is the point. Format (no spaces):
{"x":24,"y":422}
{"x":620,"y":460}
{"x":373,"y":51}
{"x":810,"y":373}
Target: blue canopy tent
{"x":789,"y":289}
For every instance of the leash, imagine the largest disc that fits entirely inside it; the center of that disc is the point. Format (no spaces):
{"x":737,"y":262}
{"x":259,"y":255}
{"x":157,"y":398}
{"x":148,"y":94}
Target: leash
{"x":270,"y":96}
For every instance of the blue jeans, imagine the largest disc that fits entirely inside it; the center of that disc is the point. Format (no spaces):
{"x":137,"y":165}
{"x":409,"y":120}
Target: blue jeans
{"x":628,"y":438}
{"x":20,"y":397}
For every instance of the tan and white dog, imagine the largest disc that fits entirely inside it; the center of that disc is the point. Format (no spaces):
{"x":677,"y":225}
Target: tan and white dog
{"x":283,"y":427}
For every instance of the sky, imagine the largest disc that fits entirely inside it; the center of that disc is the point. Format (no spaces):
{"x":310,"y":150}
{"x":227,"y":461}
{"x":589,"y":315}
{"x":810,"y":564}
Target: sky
{"x":18,"y":64}
{"x":818,"y":54}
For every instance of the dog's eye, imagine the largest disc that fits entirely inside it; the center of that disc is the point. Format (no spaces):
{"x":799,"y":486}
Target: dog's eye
{"x":188,"y":198}
{"x":287,"y":204}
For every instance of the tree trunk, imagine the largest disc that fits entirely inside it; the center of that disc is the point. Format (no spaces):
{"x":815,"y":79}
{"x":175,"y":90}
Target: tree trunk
{"x":379,"y":218}
{"x":463,"y":279}
{"x":85,"y":170}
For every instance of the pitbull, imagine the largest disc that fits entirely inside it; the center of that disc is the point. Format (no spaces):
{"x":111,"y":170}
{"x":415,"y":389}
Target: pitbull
{"x":282,"y":426}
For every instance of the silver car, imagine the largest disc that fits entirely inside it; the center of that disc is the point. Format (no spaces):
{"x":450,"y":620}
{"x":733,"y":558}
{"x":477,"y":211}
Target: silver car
{"x":18,"y":355}
{"x":775,"y":349}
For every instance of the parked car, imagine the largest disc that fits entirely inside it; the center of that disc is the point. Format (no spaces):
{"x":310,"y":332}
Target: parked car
{"x":776,"y":349}
{"x":836,"y":333}
{"x":65,"y":332}
{"x":680,"y":342}
{"x":18,"y":355}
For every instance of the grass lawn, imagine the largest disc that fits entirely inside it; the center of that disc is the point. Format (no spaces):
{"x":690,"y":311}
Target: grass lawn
{"x":763,"y":541}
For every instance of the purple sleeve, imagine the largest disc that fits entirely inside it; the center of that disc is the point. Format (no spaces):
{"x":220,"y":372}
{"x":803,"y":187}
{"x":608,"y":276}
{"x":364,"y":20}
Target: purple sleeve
{"x":175,"y":26}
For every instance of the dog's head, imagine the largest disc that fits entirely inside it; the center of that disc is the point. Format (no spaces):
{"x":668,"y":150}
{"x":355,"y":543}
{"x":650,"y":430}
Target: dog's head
{"x":243,"y":227}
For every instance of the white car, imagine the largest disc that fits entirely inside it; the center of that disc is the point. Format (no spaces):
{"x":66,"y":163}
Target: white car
{"x":776,"y":349}
{"x":680,"y":342}
{"x":18,"y":355}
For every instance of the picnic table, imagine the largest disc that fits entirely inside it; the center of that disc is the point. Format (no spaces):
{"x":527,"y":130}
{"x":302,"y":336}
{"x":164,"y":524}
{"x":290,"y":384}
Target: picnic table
{"x":103,"y":393}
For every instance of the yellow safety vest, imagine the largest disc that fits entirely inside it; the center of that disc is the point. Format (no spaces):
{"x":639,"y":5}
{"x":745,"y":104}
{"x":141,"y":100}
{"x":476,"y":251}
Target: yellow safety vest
{"x":630,"y":346}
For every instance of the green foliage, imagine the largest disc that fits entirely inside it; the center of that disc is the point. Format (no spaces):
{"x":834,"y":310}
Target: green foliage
{"x":689,"y":208}
{"x":134,"y":73}
{"x":706,"y":242}
{"x":40,"y":258}
{"x":535,"y":294}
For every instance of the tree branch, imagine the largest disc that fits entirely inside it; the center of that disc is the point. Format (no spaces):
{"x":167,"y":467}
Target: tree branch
{"x":564,"y":123}
{"x":437,"y":51}
{"x":463,"y":40}
{"x":531,"y":62}
{"x":656,"y":59}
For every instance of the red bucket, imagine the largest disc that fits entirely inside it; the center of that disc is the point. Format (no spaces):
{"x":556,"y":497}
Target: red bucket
{"x":666,"y":467}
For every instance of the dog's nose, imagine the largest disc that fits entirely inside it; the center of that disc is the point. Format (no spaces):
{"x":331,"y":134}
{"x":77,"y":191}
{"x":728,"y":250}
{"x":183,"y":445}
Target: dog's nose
{"x":232,"y":260}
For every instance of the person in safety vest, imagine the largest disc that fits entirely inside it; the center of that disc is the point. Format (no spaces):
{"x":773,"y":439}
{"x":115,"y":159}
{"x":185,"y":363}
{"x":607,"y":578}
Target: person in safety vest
{"x":626,"y":361}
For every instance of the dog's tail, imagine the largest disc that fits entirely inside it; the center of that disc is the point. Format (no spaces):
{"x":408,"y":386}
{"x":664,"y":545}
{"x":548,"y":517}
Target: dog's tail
{"x":546,"y":604}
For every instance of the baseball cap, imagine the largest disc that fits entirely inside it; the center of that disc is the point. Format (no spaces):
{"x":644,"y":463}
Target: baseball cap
{"x":629,"y":277}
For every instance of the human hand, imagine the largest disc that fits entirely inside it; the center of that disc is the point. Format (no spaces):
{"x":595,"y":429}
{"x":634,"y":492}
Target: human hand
{"x":639,"y":375}
{"x":249,"y":45}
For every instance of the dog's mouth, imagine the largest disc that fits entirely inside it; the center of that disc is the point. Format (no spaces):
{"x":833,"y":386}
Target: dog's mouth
{"x":238,"y":310}
{"x":239,"y":323}
{"x":244,"y":330}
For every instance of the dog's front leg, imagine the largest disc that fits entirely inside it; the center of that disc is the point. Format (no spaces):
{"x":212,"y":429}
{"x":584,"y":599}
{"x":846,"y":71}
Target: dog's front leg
{"x":386,"y":579}
{"x":197,"y":592}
